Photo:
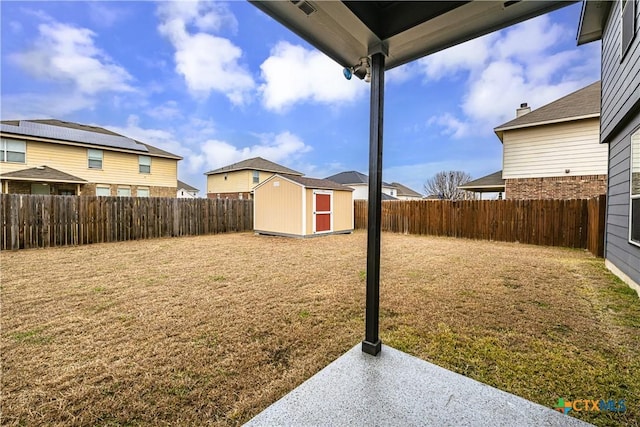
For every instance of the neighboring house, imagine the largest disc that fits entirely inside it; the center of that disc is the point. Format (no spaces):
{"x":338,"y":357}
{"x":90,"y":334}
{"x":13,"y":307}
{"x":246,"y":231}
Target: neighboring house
{"x":617,"y":24}
{"x":492,"y":183}
{"x":185,"y":191}
{"x":360,"y":184}
{"x":554,"y":152}
{"x":405,"y":193}
{"x":238,"y":180}
{"x":63,"y":158}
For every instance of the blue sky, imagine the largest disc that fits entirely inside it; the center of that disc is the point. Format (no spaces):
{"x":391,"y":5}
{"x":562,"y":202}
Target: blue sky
{"x":220,"y":82}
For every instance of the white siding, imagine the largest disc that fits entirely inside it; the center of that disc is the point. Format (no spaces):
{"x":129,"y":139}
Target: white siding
{"x":545,"y":151}
{"x":362,"y":191}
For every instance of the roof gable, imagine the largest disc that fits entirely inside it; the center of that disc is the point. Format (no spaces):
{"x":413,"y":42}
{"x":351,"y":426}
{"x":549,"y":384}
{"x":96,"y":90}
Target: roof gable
{"x":581,"y":104}
{"x":255,"y":163}
{"x":186,"y":186}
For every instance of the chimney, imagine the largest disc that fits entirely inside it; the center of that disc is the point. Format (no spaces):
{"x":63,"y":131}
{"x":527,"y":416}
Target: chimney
{"x":524,"y":109}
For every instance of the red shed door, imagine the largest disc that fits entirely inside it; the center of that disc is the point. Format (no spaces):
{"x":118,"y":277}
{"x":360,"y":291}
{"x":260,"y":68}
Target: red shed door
{"x":322,"y":220}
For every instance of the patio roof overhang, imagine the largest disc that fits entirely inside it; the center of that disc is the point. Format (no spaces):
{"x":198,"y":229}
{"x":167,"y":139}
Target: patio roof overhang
{"x":389,"y":34}
{"x":404,"y":31}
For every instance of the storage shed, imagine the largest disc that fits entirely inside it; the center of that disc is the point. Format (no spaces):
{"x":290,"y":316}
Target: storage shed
{"x":296,"y":206}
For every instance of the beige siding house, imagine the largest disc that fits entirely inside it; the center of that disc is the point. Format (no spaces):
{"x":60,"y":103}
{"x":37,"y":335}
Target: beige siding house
{"x":291,"y":205}
{"x":237,"y":181}
{"x":56,"y":157}
{"x":555,"y":151}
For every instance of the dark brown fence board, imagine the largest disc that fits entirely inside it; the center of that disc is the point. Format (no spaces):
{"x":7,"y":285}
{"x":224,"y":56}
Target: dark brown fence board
{"x":568,"y":223}
{"x":31,"y":221}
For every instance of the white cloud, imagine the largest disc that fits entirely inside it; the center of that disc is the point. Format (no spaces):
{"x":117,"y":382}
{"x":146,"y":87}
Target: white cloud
{"x":451,"y":125}
{"x":67,"y":54}
{"x":38,"y":105}
{"x":168,"y":110}
{"x":293,"y":74}
{"x":463,"y":57}
{"x":280,"y":147}
{"x":207,"y":62}
{"x":502,"y":70}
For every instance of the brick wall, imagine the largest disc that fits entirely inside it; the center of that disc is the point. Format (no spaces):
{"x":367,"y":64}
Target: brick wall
{"x":245,"y":196}
{"x":560,"y":187}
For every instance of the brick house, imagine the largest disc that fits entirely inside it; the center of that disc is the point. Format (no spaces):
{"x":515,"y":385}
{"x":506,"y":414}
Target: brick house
{"x":554,"y":152}
{"x":237,"y":181}
{"x":64,"y":158}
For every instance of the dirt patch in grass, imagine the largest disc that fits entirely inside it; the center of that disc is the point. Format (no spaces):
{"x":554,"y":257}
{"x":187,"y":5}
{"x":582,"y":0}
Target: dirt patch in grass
{"x":213,"y":329}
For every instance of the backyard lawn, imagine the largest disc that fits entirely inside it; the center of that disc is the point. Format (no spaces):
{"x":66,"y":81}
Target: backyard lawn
{"x":213,"y":329}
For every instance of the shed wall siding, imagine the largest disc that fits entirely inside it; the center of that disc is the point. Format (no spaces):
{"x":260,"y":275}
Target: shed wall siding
{"x":618,"y":250}
{"x":549,"y":150}
{"x":278,"y":209}
{"x":342,"y":211}
{"x":620,"y":80}
{"x":117,"y":168}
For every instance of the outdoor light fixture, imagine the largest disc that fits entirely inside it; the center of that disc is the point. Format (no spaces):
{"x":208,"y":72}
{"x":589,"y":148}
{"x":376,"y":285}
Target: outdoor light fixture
{"x":361,"y":70}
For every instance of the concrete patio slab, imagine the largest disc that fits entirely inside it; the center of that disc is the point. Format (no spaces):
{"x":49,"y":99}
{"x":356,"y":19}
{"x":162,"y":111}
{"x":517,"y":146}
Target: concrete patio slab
{"x":396,"y":389}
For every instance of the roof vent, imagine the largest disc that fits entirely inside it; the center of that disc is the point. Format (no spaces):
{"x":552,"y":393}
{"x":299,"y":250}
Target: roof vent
{"x":40,"y":167}
{"x":306,"y":7}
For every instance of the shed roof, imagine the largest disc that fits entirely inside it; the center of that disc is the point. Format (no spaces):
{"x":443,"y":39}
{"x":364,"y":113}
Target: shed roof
{"x":403,"y":190}
{"x":79,"y":133}
{"x":42,"y":173}
{"x":488,"y":183}
{"x":385,"y":196}
{"x":255,"y":163}
{"x":314,"y":183}
{"x":581,"y":104}
{"x":186,"y":186}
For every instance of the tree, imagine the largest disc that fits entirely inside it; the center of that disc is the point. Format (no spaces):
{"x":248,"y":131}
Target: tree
{"x":445,"y":185}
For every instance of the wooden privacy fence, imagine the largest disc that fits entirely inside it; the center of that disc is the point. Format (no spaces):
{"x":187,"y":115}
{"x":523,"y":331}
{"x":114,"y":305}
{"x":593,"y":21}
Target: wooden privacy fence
{"x":31,"y":221}
{"x":569,"y":223}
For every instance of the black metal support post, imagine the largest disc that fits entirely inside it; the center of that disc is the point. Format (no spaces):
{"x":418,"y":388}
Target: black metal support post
{"x":372,"y":343}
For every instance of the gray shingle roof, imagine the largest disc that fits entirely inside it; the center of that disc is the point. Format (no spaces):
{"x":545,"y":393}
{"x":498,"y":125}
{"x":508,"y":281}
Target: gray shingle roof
{"x":405,"y":191}
{"x":584,"y":102}
{"x":186,"y":186}
{"x":385,"y":196}
{"x":320,"y":184}
{"x":349,"y":177}
{"x":492,"y":181}
{"x":148,"y":149}
{"x":352,"y":177}
{"x":43,"y":173}
{"x":256,"y":163}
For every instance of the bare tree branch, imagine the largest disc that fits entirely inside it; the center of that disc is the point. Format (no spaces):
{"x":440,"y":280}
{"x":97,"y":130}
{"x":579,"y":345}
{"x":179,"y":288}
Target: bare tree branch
{"x":445,"y":185}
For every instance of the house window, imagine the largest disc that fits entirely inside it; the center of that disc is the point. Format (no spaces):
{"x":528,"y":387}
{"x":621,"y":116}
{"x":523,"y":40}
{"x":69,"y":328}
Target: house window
{"x":143,"y":192}
{"x":256,"y":177}
{"x":144,"y":164}
{"x":124,"y":192}
{"x":13,"y":151}
{"x":634,"y":220}
{"x":628,"y":25}
{"x":95,"y":158}
{"x":103,"y":190}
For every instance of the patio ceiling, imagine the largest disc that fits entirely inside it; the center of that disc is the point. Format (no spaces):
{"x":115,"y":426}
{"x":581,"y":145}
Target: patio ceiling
{"x":403,"y":31}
